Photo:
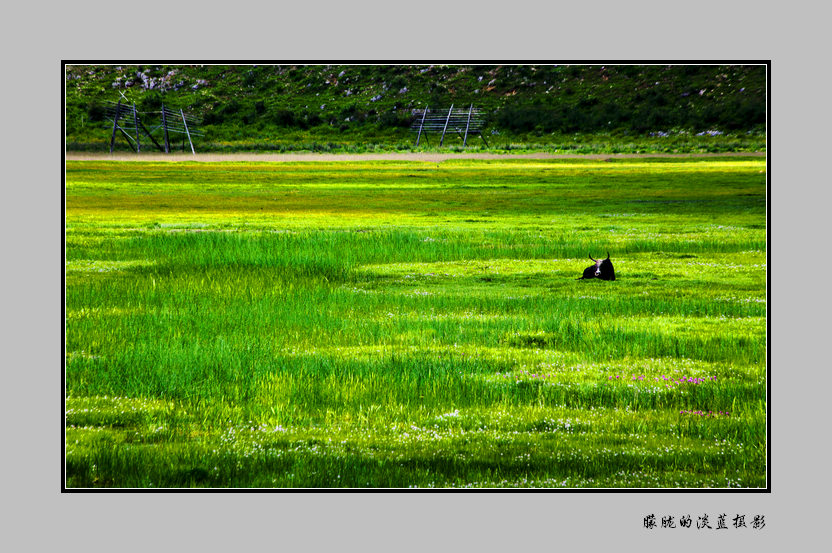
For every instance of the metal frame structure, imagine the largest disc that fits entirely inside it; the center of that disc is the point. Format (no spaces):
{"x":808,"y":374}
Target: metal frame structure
{"x":462,"y":121}
{"x":126,"y":119}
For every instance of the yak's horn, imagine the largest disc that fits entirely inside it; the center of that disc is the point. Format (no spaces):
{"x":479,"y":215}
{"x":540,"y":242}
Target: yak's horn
{"x":595,"y":260}
{"x":608,"y":254}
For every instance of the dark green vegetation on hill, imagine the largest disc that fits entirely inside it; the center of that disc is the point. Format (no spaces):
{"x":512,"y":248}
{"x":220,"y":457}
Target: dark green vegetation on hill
{"x":401,"y":324}
{"x":360,"y":108}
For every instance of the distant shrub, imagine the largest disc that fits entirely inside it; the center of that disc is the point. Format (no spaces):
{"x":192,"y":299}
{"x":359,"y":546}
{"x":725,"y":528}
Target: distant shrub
{"x":150,"y":101}
{"x":393,"y":119}
{"x":283,"y":117}
{"x":95,"y":112}
{"x":312,"y":119}
{"x":349,"y":111}
{"x":741,"y":114}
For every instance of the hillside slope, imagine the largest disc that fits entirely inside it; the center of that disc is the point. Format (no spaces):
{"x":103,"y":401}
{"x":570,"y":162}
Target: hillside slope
{"x":277,"y":107}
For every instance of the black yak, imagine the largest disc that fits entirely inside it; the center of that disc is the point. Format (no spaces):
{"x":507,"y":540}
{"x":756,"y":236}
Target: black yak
{"x":602,"y":269}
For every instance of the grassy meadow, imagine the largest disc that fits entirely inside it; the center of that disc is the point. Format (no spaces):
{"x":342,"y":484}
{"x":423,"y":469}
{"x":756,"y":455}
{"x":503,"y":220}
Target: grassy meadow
{"x":414,"y":324}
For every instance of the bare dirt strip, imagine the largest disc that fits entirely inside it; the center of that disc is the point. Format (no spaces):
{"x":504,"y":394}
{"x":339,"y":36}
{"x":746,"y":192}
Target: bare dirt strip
{"x":404,"y":156}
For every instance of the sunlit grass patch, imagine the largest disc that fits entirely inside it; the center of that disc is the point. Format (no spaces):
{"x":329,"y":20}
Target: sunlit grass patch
{"x":104,"y":411}
{"x":103,"y":266}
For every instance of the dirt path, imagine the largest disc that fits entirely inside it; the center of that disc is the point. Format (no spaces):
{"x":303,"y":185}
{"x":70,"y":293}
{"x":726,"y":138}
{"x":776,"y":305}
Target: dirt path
{"x":407,"y":156}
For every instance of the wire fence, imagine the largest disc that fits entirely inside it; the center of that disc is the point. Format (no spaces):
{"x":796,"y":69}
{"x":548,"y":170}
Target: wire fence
{"x":154,"y":126}
{"x":463,"y":121}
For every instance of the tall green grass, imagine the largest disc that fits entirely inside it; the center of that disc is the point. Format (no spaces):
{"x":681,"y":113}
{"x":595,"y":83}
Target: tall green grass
{"x":413,"y":324}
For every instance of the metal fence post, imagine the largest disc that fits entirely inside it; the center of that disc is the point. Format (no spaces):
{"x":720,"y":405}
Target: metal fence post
{"x":422,"y":124}
{"x":468,"y":124}
{"x":165,"y":127}
{"x":441,"y":140}
{"x":185,"y":123}
{"x":136,"y":123}
{"x":115,"y":125}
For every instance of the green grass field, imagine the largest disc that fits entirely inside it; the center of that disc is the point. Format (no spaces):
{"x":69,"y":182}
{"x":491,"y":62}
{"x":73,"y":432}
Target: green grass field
{"x":414,"y":324}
